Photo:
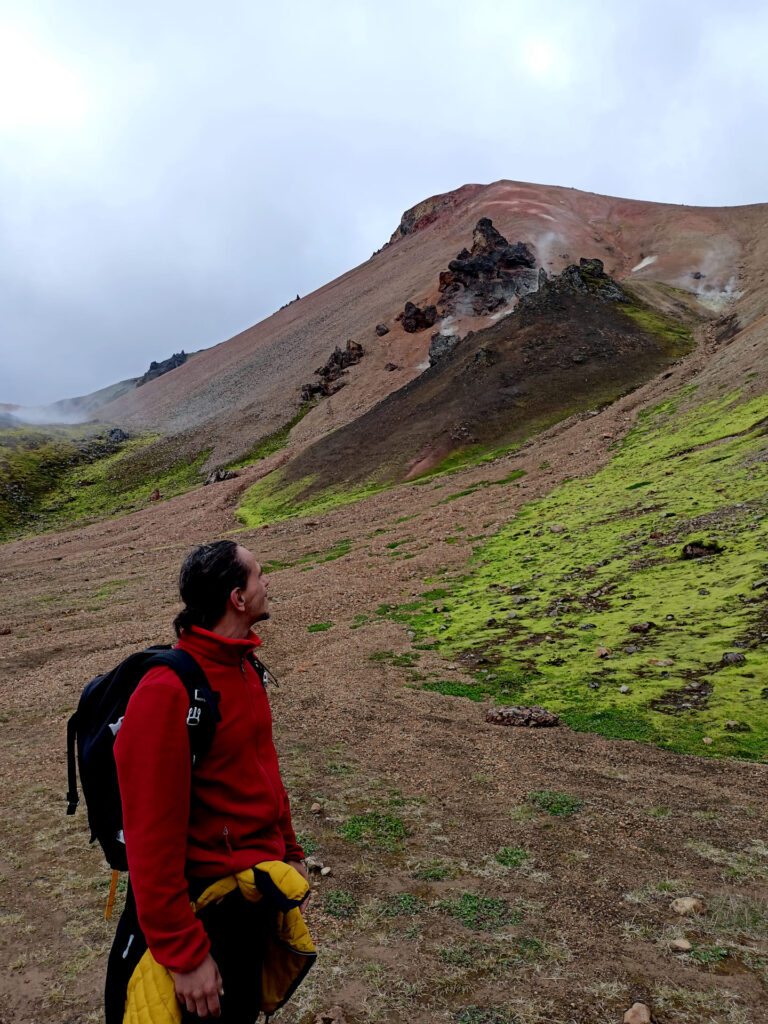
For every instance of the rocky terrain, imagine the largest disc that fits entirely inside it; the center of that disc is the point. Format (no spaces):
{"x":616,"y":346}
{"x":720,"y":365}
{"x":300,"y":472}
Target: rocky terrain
{"x":557,"y":518}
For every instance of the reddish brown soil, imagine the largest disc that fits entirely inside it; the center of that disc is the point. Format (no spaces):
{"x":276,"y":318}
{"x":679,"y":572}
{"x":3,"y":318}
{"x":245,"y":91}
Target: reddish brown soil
{"x":457,"y":783}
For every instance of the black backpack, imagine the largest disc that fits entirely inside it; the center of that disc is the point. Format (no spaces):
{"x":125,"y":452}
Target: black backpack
{"x":94,"y":726}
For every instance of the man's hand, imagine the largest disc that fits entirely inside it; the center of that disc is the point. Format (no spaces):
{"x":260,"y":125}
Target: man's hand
{"x":301,"y":867}
{"x":199,"y":990}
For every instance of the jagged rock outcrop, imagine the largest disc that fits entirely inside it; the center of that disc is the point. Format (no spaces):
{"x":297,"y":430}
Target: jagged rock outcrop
{"x":414,"y":319}
{"x":490,"y":275}
{"x":331,"y":372}
{"x":216,"y":476}
{"x":588,"y":277}
{"x":158,"y":369}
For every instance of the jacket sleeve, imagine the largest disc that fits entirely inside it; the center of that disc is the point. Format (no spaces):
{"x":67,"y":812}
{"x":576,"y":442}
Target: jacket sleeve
{"x":155,"y":772}
{"x":293,"y":850}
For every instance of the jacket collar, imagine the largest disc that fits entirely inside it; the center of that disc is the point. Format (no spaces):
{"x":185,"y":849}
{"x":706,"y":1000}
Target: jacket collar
{"x":214,"y":647}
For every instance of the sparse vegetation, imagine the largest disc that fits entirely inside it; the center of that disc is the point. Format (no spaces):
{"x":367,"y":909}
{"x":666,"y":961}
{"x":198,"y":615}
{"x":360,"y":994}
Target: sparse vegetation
{"x":274,"y":442}
{"x":401,"y":904}
{"x":376,"y":830}
{"x":511,"y":856}
{"x":340,"y":903}
{"x":560,"y":805}
{"x":480,"y":913}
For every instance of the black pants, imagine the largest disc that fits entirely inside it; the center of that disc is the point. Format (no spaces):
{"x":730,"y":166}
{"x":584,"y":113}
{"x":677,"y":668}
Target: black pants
{"x":239,"y":934}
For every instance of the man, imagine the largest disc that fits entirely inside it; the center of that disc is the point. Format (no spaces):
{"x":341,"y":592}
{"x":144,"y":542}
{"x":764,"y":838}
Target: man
{"x":186,"y":825}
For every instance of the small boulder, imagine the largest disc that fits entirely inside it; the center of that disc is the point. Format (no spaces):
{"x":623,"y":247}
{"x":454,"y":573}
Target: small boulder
{"x":557,"y":528}
{"x":687,"y":905}
{"x":681,"y":946}
{"x":733,"y":726}
{"x":416,"y":319}
{"x":316,"y":808}
{"x":381,"y":330}
{"x":217,"y":475}
{"x":325,"y":871}
{"x":314,"y":865}
{"x":155,"y":495}
{"x":530,"y":717}
{"x":642,"y":627}
{"x":638,"y":1013}
{"x":117,"y":436}
{"x":603,"y":652}
{"x":732,"y":658}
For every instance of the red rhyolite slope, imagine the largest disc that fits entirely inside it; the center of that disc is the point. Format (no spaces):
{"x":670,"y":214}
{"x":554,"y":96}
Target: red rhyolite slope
{"x":242,"y":389}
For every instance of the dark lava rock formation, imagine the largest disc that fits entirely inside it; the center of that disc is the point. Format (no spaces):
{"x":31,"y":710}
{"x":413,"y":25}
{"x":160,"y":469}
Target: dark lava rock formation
{"x":330,"y":374}
{"x":158,"y":369}
{"x":415,"y":319}
{"x":489,"y":276}
{"x":576,"y":343}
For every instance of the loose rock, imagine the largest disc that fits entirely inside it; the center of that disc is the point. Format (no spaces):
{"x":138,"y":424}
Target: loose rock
{"x":530,"y":717}
{"x":325,"y":871}
{"x":681,"y":946}
{"x":638,"y":1013}
{"x":732,"y":658}
{"x":687,"y":905}
{"x":381,"y":330}
{"x":316,"y":808}
{"x":217,"y":475}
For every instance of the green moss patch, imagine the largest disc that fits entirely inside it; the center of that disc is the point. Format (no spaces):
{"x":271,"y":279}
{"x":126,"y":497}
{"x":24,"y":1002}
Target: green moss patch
{"x":605,"y":619}
{"x":273,"y":442}
{"x":51,"y":480}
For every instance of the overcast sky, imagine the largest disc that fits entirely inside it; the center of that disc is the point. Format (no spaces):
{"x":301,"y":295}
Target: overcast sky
{"x":172,"y":172}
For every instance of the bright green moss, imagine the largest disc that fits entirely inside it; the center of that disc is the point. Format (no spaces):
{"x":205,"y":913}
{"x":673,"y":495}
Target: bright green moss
{"x":616,"y":563}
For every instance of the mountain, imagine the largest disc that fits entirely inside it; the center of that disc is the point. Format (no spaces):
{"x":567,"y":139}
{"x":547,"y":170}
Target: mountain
{"x":232,"y":395}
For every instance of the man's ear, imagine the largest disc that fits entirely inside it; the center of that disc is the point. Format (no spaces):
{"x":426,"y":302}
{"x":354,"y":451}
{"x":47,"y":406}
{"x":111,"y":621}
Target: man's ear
{"x":236,"y":599}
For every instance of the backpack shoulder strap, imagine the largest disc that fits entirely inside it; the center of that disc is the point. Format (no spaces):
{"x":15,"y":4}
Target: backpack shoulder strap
{"x":203,"y":711}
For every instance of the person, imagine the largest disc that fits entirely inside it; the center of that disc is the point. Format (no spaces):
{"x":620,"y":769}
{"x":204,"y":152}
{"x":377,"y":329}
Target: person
{"x":186,"y":825}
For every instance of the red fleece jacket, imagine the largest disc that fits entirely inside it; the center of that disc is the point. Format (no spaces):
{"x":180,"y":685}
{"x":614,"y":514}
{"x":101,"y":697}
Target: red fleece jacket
{"x":228,"y":813}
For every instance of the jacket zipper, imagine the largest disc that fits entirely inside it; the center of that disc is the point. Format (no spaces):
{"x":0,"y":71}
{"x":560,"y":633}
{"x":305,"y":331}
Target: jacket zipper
{"x":270,"y":783}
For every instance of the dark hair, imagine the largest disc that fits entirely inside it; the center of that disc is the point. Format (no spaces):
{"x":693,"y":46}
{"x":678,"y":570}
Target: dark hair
{"x":208,"y":576}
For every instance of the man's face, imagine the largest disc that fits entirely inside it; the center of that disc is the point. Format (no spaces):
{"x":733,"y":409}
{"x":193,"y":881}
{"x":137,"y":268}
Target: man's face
{"x":254,"y":594}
